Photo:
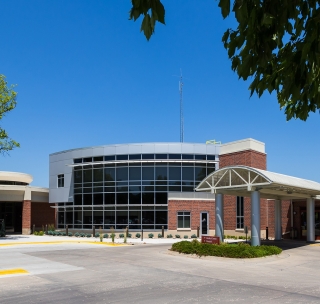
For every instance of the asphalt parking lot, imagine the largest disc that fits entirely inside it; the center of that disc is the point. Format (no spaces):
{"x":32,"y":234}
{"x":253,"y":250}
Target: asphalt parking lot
{"x":150,"y":273}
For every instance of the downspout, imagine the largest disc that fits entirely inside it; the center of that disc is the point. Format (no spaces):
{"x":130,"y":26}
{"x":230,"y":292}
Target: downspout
{"x":292,"y":233}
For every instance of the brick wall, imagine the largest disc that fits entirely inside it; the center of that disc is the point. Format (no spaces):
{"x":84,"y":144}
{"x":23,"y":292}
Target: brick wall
{"x":26,"y":217}
{"x":249,"y":158}
{"x":42,"y":214}
{"x":195,"y":207}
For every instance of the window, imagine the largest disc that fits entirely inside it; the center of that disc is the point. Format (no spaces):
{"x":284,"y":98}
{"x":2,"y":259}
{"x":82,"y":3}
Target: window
{"x":240,"y":213}
{"x":60,"y":180}
{"x":184,"y":219}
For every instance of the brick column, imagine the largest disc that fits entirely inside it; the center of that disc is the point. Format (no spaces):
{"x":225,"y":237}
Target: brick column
{"x":26,"y":217}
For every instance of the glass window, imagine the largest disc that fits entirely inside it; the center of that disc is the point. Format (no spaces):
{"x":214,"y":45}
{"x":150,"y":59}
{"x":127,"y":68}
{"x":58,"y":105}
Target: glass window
{"x":98,"y":218}
{"x":161,"y":156}
{"x":87,"y":217}
{"x":98,"y":158}
{"x":122,"y":219}
{"x":200,"y":157}
{"x":87,"y":199}
{"x":87,"y":175}
{"x":98,"y":198}
{"x":174,"y":156}
{"x":77,"y":218}
{"x":77,"y":176}
{"x":122,"y":157}
{"x":109,"y":174}
{"x":60,"y":180}
{"x":161,"y":198}
{"x":187,"y":156}
{"x":135,"y":198}
{"x":147,"y":156}
{"x":122,"y":198}
{"x":161,"y":173}
{"x":69,"y":218}
{"x":211,"y":157}
{"x":135,"y":156}
{"x":87,"y":160}
{"x":148,"y":173}
{"x":78,"y":199}
{"x":200,"y":173}
{"x":148,"y":198}
{"x":147,"y":217}
{"x":184,"y":219}
{"x":174,"y":173}
{"x":135,"y":219}
{"x":109,"y":157}
{"x":98,"y":175}
{"x":122,"y":174}
{"x":135,"y":173}
{"x":109,"y":198}
{"x":240,"y":212}
{"x":187,"y":173}
{"x":61,"y":219}
{"x":77,"y":161}
{"x":161,"y":217}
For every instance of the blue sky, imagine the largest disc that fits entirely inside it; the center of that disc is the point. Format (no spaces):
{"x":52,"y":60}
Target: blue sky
{"x":86,"y":76}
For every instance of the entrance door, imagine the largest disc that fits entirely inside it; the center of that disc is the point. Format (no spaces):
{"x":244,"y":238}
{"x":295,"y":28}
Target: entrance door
{"x":11,"y":212}
{"x":204,"y":223}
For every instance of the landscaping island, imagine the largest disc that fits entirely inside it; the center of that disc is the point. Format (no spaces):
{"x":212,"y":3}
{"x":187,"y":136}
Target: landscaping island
{"x":238,"y":250}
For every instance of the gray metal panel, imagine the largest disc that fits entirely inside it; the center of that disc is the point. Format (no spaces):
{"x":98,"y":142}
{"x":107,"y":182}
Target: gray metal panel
{"x":98,"y":151}
{"x":147,"y":148}
{"x":88,"y":152}
{"x":160,"y":148}
{"x":122,"y":149}
{"x":135,"y":149}
{"x":76,"y":153}
{"x":109,"y":150}
{"x":187,"y":148}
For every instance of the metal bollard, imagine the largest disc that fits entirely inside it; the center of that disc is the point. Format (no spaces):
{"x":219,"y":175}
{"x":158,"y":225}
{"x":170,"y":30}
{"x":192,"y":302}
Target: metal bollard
{"x":67,"y":230}
{"x":142,"y":235}
{"x":198,"y":231}
{"x":127,"y":231}
{"x":163,"y":231}
{"x":46,"y":228}
{"x":33,"y":228}
{"x":267,"y":233}
{"x":93,"y":230}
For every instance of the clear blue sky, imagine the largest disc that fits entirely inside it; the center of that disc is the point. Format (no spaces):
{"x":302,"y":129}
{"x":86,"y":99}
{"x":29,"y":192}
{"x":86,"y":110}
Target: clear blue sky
{"x":86,"y":76}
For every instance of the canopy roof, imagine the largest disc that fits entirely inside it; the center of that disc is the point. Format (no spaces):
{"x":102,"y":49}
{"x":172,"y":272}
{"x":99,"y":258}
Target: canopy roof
{"x":242,"y":180}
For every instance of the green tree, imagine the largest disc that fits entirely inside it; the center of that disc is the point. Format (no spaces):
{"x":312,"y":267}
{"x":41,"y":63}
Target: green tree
{"x":276,"y":44}
{"x":7,"y":103}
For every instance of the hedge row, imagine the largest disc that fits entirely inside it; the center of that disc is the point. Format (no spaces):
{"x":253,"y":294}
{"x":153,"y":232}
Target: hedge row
{"x":239,"y":250}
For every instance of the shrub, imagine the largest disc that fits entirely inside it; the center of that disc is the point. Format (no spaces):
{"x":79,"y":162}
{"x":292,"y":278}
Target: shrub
{"x":193,"y":236}
{"x":88,"y":235}
{"x":177,"y":236}
{"x":112,"y":234}
{"x":82,"y":234}
{"x":51,"y":227}
{"x":150,"y":235}
{"x":138,"y":235}
{"x":97,"y":234}
{"x":240,"y":250}
{"x":106,"y":235}
{"x":63,"y":233}
{"x":70,"y":234}
{"x":129,"y":235}
{"x":77,"y":234}
{"x":121,"y":235}
{"x":185,"y":237}
{"x":169,"y":236}
{"x":50,"y":232}
{"x":159,"y":235}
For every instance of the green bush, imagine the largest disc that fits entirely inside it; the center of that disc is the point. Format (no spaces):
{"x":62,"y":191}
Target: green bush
{"x":138,"y":235}
{"x":70,"y":234}
{"x":185,"y":237}
{"x":193,"y":236}
{"x":169,"y":236}
{"x":97,"y":234}
{"x":50,"y":232}
{"x":121,"y":235}
{"x":88,"y":235}
{"x":150,"y":235}
{"x":82,"y":234}
{"x":129,"y":235}
{"x":239,"y":250}
{"x":51,"y":227}
{"x":159,"y":235}
{"x":177,"y":236}
{"x":106,"y":235}
{"x":77,"y":234}
{"x":64,"y":234}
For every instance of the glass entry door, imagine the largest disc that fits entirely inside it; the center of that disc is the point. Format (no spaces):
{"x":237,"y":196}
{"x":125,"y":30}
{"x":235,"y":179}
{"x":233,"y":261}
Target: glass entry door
{"x":204,"y":223}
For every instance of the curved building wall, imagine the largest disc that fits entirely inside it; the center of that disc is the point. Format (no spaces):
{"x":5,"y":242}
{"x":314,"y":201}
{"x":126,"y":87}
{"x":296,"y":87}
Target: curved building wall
{"x":125,"y":185}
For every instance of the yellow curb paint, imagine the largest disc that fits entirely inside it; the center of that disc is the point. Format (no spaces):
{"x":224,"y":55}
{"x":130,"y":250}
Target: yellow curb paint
{"x":13,"y":271}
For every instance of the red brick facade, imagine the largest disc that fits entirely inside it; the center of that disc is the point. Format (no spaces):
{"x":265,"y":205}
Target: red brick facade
{"x":26,"y":217}
{"x":42,"y":214}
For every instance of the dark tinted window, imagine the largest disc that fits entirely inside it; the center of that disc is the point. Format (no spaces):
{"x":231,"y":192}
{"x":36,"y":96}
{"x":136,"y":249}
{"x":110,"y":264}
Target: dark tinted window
{"x":109,"y":157}
{"x":87,"y":160}
{"x":98,"y":158}
{"x":211,"y":157}
{"x":122,"y":157}
{"x":147,"y":156}
{"x":187,"y":156}
{"x":77,"y":160}
{"x":135,"y":156}
{"x":200,"y":157}
{"x":174,"y":156}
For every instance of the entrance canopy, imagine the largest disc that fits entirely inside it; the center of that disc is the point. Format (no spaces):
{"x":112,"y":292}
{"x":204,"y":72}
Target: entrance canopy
{"x":242,"y":180}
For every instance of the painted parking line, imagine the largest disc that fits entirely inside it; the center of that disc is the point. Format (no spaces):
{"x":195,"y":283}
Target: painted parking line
{"x":62,"y":242}
{"x":13,"y":271}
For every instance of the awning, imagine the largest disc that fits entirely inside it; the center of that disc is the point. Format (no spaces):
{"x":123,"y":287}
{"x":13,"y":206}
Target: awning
{"x":242,"y":180}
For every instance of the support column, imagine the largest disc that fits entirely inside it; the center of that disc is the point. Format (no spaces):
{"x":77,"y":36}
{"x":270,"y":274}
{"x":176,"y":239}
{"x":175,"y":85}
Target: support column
{"x":255,"y":218}
{"x":310,"y":220}
{"x":277,"y":222}
{"x":26,"y":217}
{"x":219,"y":216}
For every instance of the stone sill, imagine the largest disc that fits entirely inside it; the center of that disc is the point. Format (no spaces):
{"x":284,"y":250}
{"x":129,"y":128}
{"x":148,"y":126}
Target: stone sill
{"x":183,"y":229}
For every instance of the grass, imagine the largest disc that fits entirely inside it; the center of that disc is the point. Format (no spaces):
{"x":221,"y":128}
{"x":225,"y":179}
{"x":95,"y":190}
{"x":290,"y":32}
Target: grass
{"x":240,"y":250}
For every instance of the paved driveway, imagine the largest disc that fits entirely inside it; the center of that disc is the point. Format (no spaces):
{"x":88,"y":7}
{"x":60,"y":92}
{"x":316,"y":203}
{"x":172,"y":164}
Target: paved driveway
{"x":149,"y":273}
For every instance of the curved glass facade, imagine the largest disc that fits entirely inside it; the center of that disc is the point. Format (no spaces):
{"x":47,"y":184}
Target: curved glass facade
{"x":130,"y":189}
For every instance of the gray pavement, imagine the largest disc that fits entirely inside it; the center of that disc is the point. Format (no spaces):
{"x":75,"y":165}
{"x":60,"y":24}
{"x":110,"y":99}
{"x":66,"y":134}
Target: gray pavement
{"x":150,"y":273}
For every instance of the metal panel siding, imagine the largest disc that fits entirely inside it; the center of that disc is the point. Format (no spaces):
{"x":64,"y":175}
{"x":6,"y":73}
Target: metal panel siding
{"x":135,"y":149}
{"x":98,"y":151}
{"x":109,"y":150}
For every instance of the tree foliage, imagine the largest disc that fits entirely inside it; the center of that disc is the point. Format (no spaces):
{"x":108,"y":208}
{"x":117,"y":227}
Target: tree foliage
{"x":7,"y":103}
{"x":276,"y":44}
